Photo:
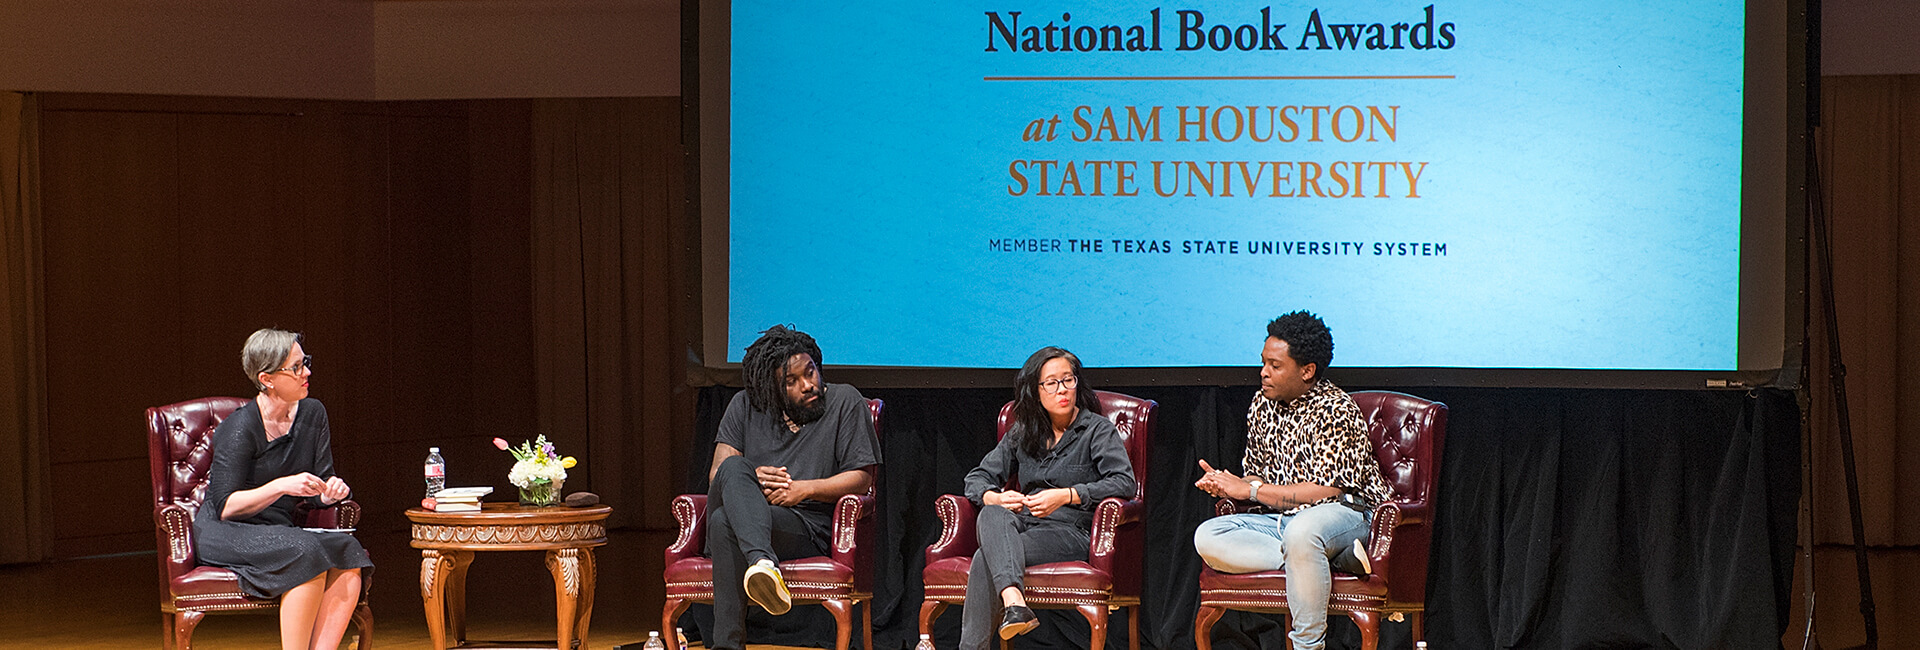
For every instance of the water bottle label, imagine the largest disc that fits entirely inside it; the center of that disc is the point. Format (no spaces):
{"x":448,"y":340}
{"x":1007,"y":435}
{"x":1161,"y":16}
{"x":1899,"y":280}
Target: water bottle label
{"x":436,"y":471}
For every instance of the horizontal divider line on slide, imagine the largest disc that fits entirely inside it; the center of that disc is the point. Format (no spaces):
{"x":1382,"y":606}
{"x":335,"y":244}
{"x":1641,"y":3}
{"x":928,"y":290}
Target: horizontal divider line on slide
{"x":1310,"y":77}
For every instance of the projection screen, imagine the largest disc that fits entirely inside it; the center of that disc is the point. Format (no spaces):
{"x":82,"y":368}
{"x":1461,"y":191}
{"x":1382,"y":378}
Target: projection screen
{"x":1584,"y":193}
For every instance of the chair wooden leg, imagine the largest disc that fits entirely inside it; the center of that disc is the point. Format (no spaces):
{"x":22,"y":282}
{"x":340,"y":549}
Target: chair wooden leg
{"x":929,"y":610}
{"x":1369,"y":624}
{"x":866,"y":625}
{"x":363,"y":621}
{"x":842,"y":622}
{"x":1203,"y":621}
{"x":1419,"y":627}
{"x":183,"y":623}
{"x":1097,"y":619}
{"x":670,"y":614}
{"x":1133,"y":628}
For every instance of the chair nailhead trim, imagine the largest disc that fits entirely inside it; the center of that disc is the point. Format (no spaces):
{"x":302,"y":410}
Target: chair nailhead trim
{"x":948,"y":513}
{"x":230,"y":608}
{"x":822,"y":586}
{"x":683,"y":512}
{"x":846,"y":516}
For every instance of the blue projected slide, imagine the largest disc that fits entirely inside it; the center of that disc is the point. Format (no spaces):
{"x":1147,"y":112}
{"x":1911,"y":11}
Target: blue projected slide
{"x":952,"y":184}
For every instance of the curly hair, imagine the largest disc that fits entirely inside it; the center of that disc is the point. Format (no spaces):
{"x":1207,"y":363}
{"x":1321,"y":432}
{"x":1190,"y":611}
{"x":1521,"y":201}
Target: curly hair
{"x":1031,"y":423}
{"x":765,"y":365}
{"x":1308,"y":339}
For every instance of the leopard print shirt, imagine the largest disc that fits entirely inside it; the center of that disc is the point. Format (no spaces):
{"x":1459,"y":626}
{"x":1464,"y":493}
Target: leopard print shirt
{"x":1318,"y":438}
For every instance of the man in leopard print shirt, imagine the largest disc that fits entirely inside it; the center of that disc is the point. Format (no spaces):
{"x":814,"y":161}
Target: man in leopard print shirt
{"x":1309,"y":460}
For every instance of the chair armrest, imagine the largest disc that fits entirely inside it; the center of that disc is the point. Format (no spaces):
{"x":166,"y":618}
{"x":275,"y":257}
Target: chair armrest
{"x":173,"y":529}
{"x":1411,"y":513}
{"x":1386,"y":519}
{"x":957,"y":516}
{"x":691,"y":511}
{"x":1110,"y":518}
{"x":853,"y":542}
{"x":345,"y":514}
{"x":1226,"y":507}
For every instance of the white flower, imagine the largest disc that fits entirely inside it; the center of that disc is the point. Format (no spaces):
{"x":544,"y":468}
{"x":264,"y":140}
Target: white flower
{"x":526,"y":473}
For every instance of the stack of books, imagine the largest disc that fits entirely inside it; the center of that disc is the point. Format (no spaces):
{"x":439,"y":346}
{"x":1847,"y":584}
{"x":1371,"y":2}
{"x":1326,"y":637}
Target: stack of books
{"x":460,"y":499}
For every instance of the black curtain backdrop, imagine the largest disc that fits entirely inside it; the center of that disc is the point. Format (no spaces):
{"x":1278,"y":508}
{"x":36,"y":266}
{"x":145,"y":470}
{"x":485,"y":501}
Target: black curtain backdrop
{"x":1566,"y":519}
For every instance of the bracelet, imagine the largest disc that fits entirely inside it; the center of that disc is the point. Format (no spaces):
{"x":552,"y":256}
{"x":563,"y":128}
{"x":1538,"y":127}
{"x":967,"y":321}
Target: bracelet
{"x":1254,"y":496}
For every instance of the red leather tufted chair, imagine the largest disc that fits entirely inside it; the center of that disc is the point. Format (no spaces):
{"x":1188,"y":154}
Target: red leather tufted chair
{"x":1407,"y":435}
{"x":179,"y":451}
{"x":1110,"y":578}
{"x":837,"y":581}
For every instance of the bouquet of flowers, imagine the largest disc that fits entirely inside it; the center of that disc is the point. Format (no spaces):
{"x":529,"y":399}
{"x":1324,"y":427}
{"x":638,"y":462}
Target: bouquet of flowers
{"x":537,"y":470}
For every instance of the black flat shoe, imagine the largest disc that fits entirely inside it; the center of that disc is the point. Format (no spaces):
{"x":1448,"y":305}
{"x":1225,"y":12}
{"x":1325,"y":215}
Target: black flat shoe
{"x":1017,"y":620}
{"x":1353,"y":559}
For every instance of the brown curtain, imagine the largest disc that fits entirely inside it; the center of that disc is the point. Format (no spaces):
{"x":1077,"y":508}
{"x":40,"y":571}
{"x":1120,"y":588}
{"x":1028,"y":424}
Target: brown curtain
{"x":23,"y":452}
{"x":611,"y":242}
{"x":1869,"y":149}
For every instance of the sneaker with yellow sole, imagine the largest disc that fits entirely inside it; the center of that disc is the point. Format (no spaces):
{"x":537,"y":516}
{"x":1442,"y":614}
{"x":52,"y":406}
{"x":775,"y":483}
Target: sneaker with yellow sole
{"x":767,"y":588}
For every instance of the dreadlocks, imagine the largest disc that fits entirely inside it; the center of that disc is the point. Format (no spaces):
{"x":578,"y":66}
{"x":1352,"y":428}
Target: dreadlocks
{"x":765,"y":366}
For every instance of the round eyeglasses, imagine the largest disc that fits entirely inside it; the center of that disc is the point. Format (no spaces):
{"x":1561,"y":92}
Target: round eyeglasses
{"x":1058,"y":385}
{"x":306,"y":362}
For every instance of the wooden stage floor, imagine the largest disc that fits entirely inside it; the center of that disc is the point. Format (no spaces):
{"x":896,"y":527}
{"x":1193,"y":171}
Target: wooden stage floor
{"x":113,"y":602}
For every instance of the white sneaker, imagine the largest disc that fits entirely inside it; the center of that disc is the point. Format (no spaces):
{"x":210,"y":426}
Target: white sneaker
{"x":767,"y":588}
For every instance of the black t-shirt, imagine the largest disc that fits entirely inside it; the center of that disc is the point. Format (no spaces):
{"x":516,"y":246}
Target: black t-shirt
{"x":841,"y":440}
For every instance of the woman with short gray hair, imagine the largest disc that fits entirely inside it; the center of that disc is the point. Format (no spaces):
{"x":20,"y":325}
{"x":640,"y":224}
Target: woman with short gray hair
{"x":268,"y":456}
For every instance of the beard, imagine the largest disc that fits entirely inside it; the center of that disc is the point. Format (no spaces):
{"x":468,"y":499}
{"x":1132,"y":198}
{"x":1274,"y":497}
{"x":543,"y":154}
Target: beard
{"x":804,"y":413}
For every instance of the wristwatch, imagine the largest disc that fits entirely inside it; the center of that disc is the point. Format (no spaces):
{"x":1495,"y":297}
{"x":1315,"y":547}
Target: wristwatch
{"x":1254,"y":495}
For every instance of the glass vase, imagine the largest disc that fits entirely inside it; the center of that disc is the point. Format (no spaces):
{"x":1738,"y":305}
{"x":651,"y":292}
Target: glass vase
{"x":543,"y":493}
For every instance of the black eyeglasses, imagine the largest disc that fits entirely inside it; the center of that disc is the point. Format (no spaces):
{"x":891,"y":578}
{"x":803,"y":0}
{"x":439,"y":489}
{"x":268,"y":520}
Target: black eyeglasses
{"x":306,"y":361}
{"x":1057,"y":385}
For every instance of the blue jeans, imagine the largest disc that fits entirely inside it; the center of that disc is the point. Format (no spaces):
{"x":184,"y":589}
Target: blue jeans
{"x":1301,"y":543}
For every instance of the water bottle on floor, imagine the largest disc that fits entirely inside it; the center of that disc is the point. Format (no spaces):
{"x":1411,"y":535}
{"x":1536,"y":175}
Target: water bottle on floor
{"x":680,"y":637}
{"x":653,"y":641}
{"x":926,"y":642}
{"x":436,"y":472}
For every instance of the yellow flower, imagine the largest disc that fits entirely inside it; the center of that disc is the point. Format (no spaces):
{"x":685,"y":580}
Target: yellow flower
{"x":568,"y":462}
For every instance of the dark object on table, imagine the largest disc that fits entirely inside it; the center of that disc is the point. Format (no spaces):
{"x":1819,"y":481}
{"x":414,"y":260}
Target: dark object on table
{"x":582,"y":499}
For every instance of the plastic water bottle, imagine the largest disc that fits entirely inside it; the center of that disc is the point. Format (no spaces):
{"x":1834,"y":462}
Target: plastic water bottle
{"x":1421,"y":645}
{"x":681,"y":635}
{"x":436,"y":472}
{"x":653,"y":641}
{"x":926,"y":642}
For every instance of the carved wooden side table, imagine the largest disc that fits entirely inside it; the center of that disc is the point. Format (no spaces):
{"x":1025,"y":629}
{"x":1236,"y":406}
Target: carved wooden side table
{"x":448,"y":540}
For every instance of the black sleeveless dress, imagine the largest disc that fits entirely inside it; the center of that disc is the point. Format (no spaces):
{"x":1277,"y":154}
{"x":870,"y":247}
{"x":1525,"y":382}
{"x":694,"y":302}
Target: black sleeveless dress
{"x":269,"y":553}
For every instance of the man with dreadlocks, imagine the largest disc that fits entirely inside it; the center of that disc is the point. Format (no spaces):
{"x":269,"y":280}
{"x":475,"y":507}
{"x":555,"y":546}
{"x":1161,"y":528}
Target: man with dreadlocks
{"x":788,"y":446}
